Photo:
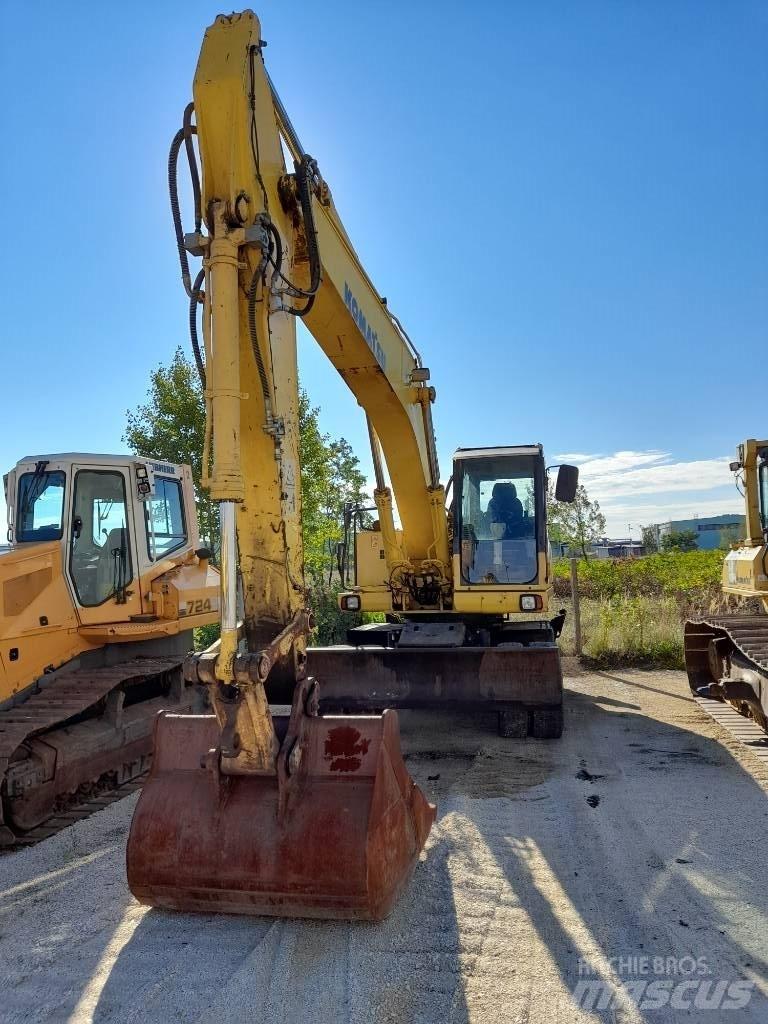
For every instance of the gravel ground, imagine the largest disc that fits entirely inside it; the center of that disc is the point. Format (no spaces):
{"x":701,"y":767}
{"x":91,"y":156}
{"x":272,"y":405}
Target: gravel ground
{"x":638,"y":837}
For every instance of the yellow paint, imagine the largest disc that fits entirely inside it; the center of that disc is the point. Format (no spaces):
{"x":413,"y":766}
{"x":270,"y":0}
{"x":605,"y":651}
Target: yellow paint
{"x":41,"y":625}
{"x":745,"y":569}
{"x":253,"y":415}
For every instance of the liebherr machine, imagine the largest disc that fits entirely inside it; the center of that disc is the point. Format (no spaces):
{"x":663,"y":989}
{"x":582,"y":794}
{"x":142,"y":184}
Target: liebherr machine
{"x":101,"y":586}
{"x":727,"y":655}
{"x":309,"y":813}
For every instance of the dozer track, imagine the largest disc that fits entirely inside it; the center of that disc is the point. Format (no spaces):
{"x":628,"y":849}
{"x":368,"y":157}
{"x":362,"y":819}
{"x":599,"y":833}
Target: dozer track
{"x":726,"y":657}
{"x":87,"y":732}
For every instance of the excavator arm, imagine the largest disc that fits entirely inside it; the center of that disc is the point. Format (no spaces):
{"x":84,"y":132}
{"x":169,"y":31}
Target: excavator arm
{"x":304,"y":815}
{"x":314,"y":814}
{"x":275,"y":250}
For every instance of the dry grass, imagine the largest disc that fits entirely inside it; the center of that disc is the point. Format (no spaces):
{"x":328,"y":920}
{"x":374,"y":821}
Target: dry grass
{"x":633,"y":610}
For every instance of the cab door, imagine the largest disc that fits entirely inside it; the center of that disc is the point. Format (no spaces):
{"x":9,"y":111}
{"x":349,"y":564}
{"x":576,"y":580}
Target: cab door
{"x":102,"y":564}
{"x":762,"y":485}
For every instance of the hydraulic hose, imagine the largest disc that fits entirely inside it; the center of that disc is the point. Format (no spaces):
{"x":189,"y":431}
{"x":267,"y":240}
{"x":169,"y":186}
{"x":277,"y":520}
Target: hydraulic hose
{"x":173,"y":192}
{"x":305,"y":198}
{"x":189,"y":131}
{"x":194,"y":300}
{"x":184,"y":134}
{"x":252,"y":292}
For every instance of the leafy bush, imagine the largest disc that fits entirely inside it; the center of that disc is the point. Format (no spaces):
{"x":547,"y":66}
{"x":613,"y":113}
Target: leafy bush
{"x":207,"y":635}
{"x":636,"y":631}
{"x":675,"y":573}
{"x":633,"y":610}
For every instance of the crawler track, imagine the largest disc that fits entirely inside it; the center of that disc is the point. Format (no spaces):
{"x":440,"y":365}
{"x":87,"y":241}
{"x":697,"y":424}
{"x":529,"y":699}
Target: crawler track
{"x":86,"y":732}
{"x":726,"y":657}
{"x":76,"y":812}
{"x":741,"y":728}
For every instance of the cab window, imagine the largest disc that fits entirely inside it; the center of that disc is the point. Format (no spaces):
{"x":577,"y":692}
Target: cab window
{"x":498,"y":520}
{"x":40,"y":513}
{"x":164,"y":518}
{"x":763,"y":482}
{"x":100,"y":559}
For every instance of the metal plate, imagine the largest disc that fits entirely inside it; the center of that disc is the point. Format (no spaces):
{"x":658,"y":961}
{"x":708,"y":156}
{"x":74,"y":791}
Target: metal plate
{"x":463,"y":677}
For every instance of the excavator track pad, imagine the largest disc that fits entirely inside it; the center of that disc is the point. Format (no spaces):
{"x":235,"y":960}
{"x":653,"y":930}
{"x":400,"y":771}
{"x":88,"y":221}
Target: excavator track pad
{"x":335,"y":833}
{"x":726,"y":657}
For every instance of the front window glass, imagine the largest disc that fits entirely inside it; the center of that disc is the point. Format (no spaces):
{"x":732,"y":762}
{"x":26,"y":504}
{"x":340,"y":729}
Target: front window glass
{"x":41,"y":506}
{"x":100,"y":559}
{"x":764,"y":495}
{"x":498,"y":520}
{"x":164,"y":516}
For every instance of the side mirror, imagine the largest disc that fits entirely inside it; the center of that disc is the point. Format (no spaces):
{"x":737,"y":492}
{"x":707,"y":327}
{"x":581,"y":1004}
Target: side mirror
{"x":567,"y":482}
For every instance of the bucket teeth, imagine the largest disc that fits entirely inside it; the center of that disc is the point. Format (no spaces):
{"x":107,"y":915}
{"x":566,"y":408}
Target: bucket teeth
{"x":335,"y":834}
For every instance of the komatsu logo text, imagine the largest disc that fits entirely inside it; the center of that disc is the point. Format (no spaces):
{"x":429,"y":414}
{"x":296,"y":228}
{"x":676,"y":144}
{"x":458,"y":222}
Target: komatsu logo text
{"x":364,"y":327}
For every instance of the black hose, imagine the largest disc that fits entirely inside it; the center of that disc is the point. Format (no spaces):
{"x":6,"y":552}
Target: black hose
{"x":305,"y":198}
{"x":193,"y":303}
{"x":254,"y":132}
{"x":184,"y":134}
{"x":277,"y":260}
{"x":173,"y":191}
{"x":189,"y":131}
{"x":252,"y":290}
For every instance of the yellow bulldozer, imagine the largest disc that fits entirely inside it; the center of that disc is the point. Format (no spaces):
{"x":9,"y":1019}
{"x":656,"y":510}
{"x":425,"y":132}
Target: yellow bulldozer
{"x":726,"y":656}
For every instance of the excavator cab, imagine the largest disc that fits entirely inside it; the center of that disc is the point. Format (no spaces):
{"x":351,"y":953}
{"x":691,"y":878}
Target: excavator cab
{"x":91,"y":537}
{"x":500,"y":513}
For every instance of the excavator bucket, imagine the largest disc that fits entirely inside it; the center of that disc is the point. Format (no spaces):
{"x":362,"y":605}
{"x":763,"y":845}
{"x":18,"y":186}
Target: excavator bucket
{"x":336,"y":833}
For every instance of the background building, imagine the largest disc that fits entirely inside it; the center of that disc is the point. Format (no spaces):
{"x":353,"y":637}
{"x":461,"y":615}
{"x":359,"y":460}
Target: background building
{"x":606,"y":547}
{"x":621,"y":547}
{"x":711,"y":531}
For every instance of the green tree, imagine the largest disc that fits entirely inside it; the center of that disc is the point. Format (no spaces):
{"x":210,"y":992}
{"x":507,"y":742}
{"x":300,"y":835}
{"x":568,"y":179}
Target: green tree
{"x":577,"y":524}
{"x":679,"y":540}
{"x":170,"y":426}
{"x":330,"y":478}
{"x":650,"y":536}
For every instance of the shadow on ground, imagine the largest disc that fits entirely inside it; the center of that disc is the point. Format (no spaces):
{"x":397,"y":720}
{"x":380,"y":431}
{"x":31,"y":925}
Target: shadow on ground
{"x":631,"y":847}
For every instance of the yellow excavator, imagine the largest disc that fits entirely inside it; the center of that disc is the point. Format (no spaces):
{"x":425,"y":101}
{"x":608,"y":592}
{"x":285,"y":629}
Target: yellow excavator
{"x":102,"y":583}
{"x":310,"y":813}
{"x":726,"y":656}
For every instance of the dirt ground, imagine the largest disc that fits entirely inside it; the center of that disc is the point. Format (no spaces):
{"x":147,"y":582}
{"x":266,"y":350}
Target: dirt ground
{"x":562,"y":879}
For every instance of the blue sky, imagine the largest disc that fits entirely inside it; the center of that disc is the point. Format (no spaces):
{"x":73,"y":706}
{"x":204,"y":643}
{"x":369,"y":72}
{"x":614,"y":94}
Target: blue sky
{"x":565,"y":203}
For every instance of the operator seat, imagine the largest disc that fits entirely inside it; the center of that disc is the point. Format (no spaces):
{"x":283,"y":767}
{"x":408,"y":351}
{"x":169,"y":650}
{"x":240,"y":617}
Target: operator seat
{"x":505,"y":507}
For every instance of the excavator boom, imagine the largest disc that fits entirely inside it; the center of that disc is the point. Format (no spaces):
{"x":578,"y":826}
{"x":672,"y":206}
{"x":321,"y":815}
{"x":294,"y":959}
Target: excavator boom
{"x":453,"y":581}
{"x":246,"y":811}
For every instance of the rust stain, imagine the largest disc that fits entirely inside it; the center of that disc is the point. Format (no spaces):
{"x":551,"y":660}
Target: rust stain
{"x":344,"y":748}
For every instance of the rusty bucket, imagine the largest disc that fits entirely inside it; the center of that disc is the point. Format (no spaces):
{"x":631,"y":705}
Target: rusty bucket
{"x":335,"y":834}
